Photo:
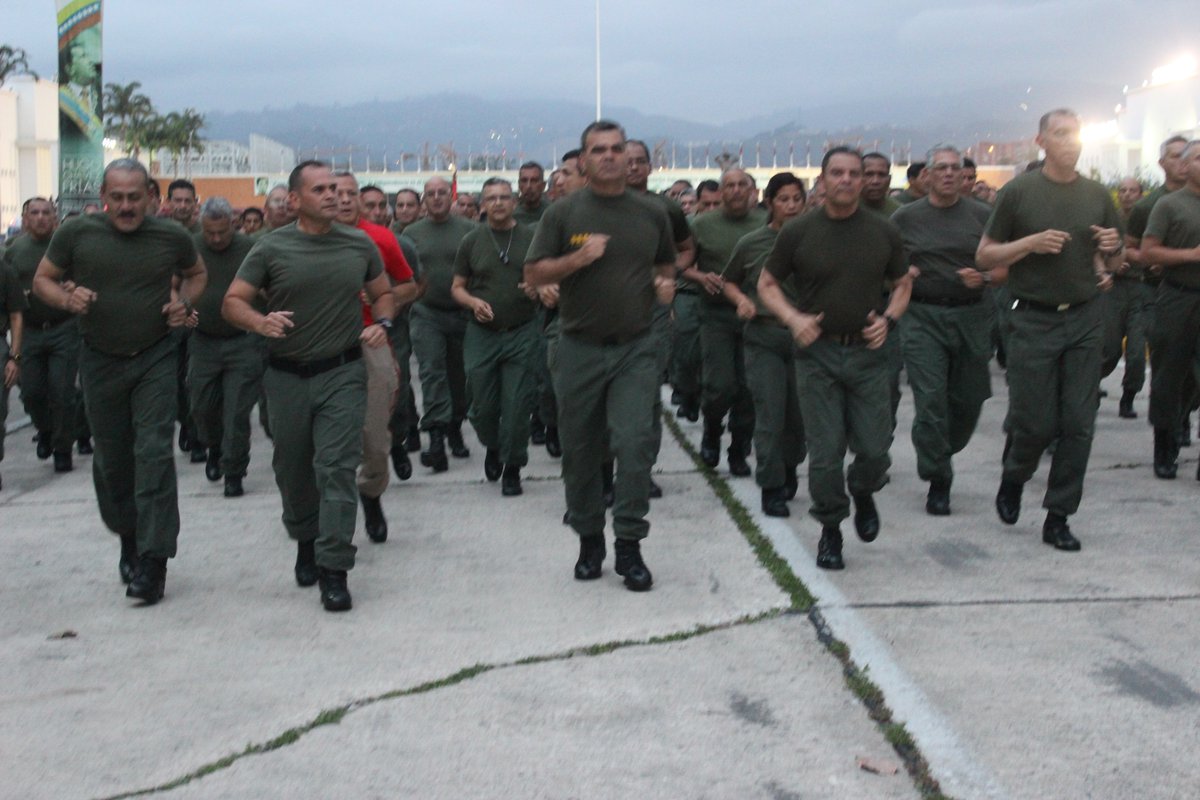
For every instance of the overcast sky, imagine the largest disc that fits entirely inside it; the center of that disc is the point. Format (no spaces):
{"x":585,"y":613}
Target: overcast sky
{"x":694,"y":59}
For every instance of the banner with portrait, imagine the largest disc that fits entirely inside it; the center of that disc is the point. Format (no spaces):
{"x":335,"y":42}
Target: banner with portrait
{"x":80,"y":93}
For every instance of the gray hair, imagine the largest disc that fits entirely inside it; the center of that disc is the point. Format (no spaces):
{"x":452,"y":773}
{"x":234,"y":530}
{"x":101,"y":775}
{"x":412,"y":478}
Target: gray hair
{"x":1176,"y":139}
{"x":943,"y":148}
{"x":1193,"y":144}
{"x":216,"y":208}
{"x":125,"y":165}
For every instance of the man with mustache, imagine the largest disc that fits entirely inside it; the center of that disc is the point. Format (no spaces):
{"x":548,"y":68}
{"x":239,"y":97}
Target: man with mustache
{"x":121,"y":264}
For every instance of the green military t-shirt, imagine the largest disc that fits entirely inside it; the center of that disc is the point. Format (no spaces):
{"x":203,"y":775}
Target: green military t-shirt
{"x":530,"y":216}
{"x":490,"y":278}
{"x":24,"y":255}
{"x":319,"y":278}
{"x":838,"y":266}
{"x":940,"y":242}
{"x":715,"y":235}
{"x":437,"y":243}
{"x":1175,"y":221}
{"x":1139,"y":215}
{"x":746,"y":264}
{"x":1032,"y":203}
{"x":130,"y":273}
{"x":222,"y":269}
{"x":613,"y":297}
{"x":890,"y":206}
{"x":12,"y":299}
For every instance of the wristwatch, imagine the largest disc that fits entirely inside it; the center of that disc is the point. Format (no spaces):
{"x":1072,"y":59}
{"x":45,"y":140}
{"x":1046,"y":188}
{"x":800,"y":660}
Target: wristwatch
{"x":15,"y":358}
{"x":386,"y":324}
{"x":891,"y":322}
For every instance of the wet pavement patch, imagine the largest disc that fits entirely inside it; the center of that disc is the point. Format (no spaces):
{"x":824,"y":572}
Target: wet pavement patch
{"x":1147,"y":682}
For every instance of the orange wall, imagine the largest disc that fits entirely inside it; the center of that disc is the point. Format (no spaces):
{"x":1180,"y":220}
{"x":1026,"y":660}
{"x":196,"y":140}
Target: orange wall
{"x":238,"y":191}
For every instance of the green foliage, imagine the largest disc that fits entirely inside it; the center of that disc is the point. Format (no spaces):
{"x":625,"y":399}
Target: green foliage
{"x":13,"y":61}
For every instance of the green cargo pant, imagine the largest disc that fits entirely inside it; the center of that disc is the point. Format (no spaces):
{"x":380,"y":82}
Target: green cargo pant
{"x":606,"y":403}
{"x":4,"y":392}
{"x":685,"y":346}
{"x":404,"y":413}
{"x":946,"y":355}
{"x":845,"y":400}
{"x":437,"y":339}
{"x":49,"y":366}
{"x":1053,"y":390}
{"x":501,"y":378}
{"x":1125,"y":331}
{"x":224,"y":380}
{"x":544,"y":401}
{"x":131,"y":406}
{"x":778,"y":428}
{"x":1174,"y":356}
{"x":317,"y":425}
{"x":661,"y":329}
{"x":724,"y":377}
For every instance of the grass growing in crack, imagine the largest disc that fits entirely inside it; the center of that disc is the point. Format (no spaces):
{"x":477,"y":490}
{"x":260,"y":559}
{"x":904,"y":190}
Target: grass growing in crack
{"x":802,"y":600}
{"x":333,"y":716}
{"x":780,"y":572}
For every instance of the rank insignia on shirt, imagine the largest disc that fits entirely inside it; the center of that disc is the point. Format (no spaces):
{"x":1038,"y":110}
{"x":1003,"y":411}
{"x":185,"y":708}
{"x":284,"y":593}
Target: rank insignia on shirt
{"x":578,"y":239}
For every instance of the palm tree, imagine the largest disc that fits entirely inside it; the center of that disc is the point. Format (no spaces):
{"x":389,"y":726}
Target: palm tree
{"x":191,"y":122}
{"x":125,"y":109}
{"x":13,"y":61}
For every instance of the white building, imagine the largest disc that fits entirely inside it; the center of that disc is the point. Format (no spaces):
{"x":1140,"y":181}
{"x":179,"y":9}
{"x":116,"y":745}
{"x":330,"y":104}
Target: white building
{"x":225,"y":158}
{"x":28,"y":143}
{"x":1166,"y":105}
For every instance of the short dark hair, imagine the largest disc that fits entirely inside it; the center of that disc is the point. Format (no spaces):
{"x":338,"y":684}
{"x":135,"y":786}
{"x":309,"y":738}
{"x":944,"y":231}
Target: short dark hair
{"x":914,"y":169}
{"x":968,"y":163}
{"x":1044,"y":122}
{"x":567,"y":156}
{"x":296,"y":176}
{"x":125,"y":165}
{"x":707,"y":186}
{"x":778,"y":181}
{"x":599,"y":126}
{"x":495,"y":181}
{"x":255,"y":210}
{"x":38,"y":199}
{"x":409,"y":190}
{"x":839,"y":150}
{"x":641,"y":144}
{"x":1176,"y":139}
{"x":531,"y":165}
{"x":370,"y":187}
{"x":181,"y":183}
{"x":878,"y":156}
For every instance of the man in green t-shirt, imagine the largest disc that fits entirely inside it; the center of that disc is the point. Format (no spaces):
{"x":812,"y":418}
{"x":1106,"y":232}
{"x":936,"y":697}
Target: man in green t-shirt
{"x":611,"y":254}
{"x":1058,"y":234}
{"x":501,"y":341}
{"x":50,"y":351}
{"x":12,"y":318}
{"x":225,"y":363}
{"x":531,"y":187}
{"x":838,"y":260}
{"x":723,"y":370}
{"x":877,"y":180}
{"x":181,"y":201}
{"x":1168,"y":441}
{"x":946,"y":334}
{"x":438,"y":326}
{"x":313,"y":273}
{"x":1172,"y":240}
{"x":406,"y":436}
{"x":122,"y":265}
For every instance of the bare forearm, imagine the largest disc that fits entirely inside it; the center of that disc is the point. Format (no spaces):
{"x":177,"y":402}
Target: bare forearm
{"x":994,"y":255}
{"x":552,"y":270}
{"x":241,"y":314}
{"x":1154,"y":252}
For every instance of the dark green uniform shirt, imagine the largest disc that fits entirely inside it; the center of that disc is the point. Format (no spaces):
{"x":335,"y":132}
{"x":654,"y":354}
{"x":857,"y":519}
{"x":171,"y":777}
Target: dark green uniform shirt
{"x":437,"y":243}
{"x":838,"y":266}
{"x":890,"y":206}
{"x":222,"y":269}
{"x":940,"y":242}
{"x":715,"y":235}
{"x":130,"y":273}
{"x":530,"y":216}
{"x":1032,"y":203}
{"x":494,"y":279}
{"x":12,"y":298}
{"x":1139,"y":215}
{"x":24,"y":255}
{"x":319,"y":278}
{"x":1175,"y":221}
{"x":746,"y":264}
{"x":611,"y":299}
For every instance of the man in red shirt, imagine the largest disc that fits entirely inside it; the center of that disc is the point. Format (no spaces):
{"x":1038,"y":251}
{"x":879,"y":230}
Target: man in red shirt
{"x":383,"y":378}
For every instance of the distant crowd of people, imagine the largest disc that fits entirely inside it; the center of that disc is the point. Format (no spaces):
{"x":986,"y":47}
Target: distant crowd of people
{"x":552,"y":313}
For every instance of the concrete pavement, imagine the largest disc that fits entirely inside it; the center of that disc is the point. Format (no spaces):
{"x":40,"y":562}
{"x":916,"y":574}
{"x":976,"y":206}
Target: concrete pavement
{"x":1020,"y":671}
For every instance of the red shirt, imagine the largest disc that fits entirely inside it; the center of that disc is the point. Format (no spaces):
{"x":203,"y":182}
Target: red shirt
{"x":393,"y":259}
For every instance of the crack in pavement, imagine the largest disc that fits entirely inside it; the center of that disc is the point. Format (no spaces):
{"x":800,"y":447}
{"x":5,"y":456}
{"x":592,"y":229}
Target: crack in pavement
{"x":335,"y":715}
{"x":1027,"y":601}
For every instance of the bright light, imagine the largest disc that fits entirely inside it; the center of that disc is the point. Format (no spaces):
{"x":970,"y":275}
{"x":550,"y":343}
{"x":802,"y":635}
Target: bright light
{"x":1180,"y":68}
{"x":1099,"y":131}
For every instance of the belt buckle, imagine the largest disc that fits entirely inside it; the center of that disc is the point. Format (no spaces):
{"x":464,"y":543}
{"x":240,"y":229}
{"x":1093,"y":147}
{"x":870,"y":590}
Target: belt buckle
{"x":1063,"y":306}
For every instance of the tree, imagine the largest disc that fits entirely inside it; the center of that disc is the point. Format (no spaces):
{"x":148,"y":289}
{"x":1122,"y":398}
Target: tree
{"x":13,"y":61}
{"x":125,"y":112}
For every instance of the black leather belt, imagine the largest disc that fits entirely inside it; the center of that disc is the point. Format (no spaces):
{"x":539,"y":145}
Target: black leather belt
{"x":1181,"y":287}
{"x":948,"y":302}
{"x":46,"y":326}
{"x":847,"y":339}
{"x":1021,"y":305}
{"x":310,"y":369}
{"x":226,"y":337}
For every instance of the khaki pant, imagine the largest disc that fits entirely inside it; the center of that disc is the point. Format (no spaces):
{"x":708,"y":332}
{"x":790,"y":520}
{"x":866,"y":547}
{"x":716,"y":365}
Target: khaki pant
{"x":383,"y":382}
